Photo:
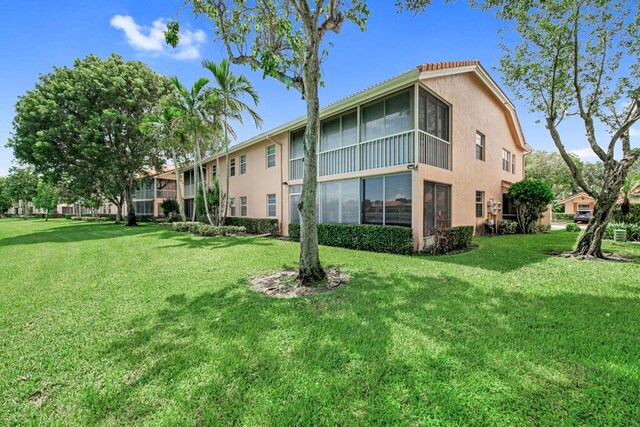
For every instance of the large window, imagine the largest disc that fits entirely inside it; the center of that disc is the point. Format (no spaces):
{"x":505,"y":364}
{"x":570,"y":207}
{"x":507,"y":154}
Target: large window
{"x":437,"y":206}
{"x":232,"y":206}
{"x":387,"y":200}
{"x":144,"y":208}
{"x":271,"y":205}
{"x":433,"y":116}
{"x":243,"y":164}
{"x":479,"y":204}
{"x":339,"y":201}
{"x":232,"y":167}
{"x":271,"y":155}
{"x":387,"y":117}
{"x":294,"y":198}
{"x":339,"y":132}
{"x":480,"y":147}
{"x":296,"y":145}
{"x":506,"y":160}
{"x":243,"y":206}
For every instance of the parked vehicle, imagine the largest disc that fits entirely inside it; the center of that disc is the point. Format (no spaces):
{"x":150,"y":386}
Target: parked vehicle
{"x":582,"y":216}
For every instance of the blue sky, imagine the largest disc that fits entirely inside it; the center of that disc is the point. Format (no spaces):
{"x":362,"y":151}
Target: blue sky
{"x":38,"y":35}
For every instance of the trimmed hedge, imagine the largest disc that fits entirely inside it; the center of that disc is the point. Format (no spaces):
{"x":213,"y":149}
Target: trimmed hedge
{"x":451,"y":239}
{"x":201,"y":229}
{"x":255,"y":225}
{"x":574,"y":228}
{"x":186,"y":227}
{"x":633,"y":231}
{"x":364,"y":237}
{"x":561,"y":217}
{"x":89,"y":218}
{"x":507,"y":226}
{"x":633,"y":217}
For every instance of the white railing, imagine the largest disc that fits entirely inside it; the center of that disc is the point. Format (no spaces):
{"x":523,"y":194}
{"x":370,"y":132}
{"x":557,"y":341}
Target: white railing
{"x":166,"y":194}
{"x":434,"y":151}
{"x":296,"y":168}
{"x":146,"y":194}
{"x":189,"y":191}
{"x":390,"y":150}
{"x":338,"y":160}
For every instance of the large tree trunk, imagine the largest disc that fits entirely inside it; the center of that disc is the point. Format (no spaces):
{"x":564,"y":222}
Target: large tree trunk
{"x":590,"y":243}
{"x":178,"y":187}
{"x":118,"y":210}
{"x":310,"y":270}
{"x":132,"y":220}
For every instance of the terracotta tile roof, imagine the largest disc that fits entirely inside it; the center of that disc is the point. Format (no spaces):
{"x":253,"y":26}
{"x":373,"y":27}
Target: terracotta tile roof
{"x":450,"y":64}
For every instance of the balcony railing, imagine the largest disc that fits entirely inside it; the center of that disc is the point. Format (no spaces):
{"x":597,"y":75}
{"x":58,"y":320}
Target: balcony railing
{"x":145,"y":194}
{"x":296,"y":168}
{"x":390,"y":150}
{"x":166,"y":194}
{"x":434,"y":151}
{"x":189,"y":191}
{"x":339,"y":160}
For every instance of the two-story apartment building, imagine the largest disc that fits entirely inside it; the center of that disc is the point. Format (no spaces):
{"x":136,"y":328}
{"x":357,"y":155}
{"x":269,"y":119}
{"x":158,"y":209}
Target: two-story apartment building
{"x":437,"y":145}
{"x":153,"y":190}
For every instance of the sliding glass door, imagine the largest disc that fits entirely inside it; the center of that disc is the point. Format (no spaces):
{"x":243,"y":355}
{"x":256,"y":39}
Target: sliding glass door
{"x":437,"y":206}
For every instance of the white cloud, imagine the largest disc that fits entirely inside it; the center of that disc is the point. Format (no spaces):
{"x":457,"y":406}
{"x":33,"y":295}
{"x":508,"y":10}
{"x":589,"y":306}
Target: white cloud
{"x":585,"y":153}
{"x":151,"y":39}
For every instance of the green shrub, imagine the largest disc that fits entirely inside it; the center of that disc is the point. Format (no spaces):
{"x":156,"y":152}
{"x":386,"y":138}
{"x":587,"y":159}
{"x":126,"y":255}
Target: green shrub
{"x":506,"y":226}
{"x":633,"y":231}
{"x":562,"y":217}
{"x":365,"y":237}
{"x":213,"y":231}
{"x":185,"y":226}
{"x":530,"y":199}
{"x":575,"y":228}
{"x":255,"y":225}
{"x":170,"y":207}
{"x":451,"y":239}
{"x":539,"y":227}
{"x":632,"y":218}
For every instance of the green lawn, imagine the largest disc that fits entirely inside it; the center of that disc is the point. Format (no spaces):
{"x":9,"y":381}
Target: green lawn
{"x":101,"y":324}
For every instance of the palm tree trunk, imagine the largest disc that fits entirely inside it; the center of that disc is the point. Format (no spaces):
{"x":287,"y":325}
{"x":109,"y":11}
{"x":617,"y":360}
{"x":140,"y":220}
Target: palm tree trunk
{"x":226,"y":145}
{"x":178,"y":187}
{"x":204,"y":184}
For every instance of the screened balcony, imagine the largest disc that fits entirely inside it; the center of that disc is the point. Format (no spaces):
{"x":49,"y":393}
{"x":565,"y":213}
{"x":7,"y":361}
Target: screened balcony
{"x":380,"y":134}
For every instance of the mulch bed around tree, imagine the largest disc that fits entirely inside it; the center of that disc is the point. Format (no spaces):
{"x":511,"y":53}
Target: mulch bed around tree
{"x":284,"y":284}
{"x":608,"y":256}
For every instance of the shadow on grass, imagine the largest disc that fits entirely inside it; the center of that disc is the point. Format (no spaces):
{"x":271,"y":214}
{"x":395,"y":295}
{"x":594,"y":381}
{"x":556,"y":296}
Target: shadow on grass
{"x":392,"y":349}
{"x":190,"y":241}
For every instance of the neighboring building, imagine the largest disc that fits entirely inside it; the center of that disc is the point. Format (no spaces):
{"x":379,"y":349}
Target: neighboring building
{"x":437,"y":145}
{"x":578,"y":202}
{"x":154,"y":189}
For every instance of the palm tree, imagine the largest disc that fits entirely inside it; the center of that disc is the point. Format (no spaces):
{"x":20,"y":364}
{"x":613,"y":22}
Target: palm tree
{"x":166,"y":128}
{"x":630,"y":190}
{"x":230,"y":90}
{"x":196,"y":106}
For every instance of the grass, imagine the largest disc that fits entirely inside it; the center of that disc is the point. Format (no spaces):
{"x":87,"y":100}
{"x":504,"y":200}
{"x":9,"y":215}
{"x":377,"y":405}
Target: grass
{"x":102,"y":324}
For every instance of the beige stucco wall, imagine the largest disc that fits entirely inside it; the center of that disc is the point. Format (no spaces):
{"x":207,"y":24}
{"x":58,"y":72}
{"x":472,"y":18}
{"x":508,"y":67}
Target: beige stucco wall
{"x":473,"y":107}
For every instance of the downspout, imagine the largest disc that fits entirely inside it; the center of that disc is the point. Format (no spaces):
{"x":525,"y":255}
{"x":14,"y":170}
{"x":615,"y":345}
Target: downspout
{"x":281,"y":198}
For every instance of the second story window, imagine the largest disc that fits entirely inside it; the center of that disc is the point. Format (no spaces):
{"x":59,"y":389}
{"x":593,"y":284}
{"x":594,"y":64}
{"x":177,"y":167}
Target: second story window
{"x":480,"y":146}
{"x":296,"y":145}
{"x":433,"y":117}
{"x":243,"y":206}
{"x":243,"y":164}
{"x":339,"y":132}
{"x":232,"y":206}
{"x":387,"y":117}
{"x":506,"y":160}
{"x":513,"y":163}
{"x":271,"y":155}
{"x":232,"y":167}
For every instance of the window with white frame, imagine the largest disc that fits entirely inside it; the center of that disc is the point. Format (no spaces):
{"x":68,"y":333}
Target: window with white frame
{"x":295,"y":192}
{"x":232,"y":206}
{"x":341,"y":131}
{"x":271,"y":205}
{"x":506,"y":160}
{"x":513,"y":163}
{"x":243,"y":164}
{"x":271,"y":155}
{"x":479,"y":204}
{"x":480,"y":146}
{"x":433,"y":116}
{"x":232,"y":167}
{"x":584,"y":207}
{"x":387,"y":200}
{"x":243,"y":206}
{"x":339,"y":201}
{"x":387,"y":117}
{"x":296,"y":145}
